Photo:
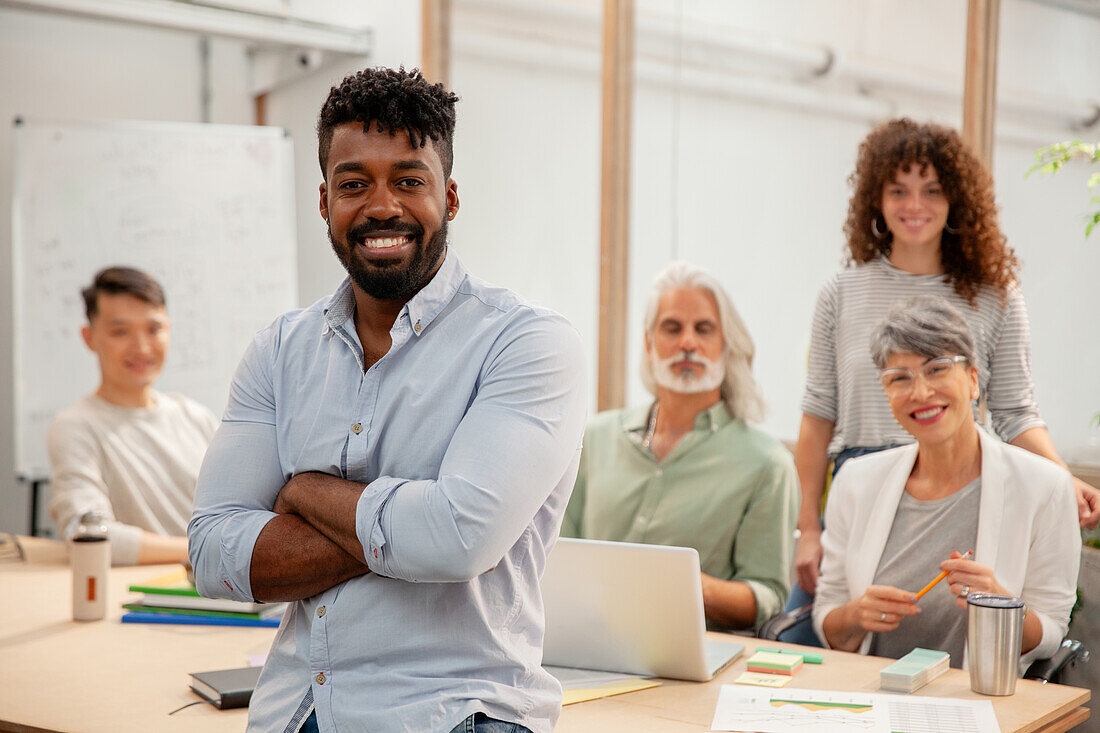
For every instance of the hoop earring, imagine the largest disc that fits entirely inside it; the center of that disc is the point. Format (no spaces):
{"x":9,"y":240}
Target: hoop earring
{"x":875,"y":232}
{"x":950,"y":229}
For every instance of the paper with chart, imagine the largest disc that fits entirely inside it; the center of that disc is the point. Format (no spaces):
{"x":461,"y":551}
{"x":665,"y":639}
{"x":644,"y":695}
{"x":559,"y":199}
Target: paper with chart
{"x":820,"y":711}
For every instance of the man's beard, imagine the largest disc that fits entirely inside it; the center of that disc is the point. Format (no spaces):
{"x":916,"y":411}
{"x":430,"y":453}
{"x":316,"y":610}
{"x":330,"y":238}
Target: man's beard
{"x":685,"y":381}
{"x":390,"y":279}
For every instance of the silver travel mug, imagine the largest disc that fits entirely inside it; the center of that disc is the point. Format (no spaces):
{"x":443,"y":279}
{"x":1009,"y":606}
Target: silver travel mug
{"x":995,"y":624}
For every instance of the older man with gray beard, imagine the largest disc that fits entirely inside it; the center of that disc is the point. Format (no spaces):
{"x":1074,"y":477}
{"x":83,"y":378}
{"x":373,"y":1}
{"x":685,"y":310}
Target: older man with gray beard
{"x":688,"y":469}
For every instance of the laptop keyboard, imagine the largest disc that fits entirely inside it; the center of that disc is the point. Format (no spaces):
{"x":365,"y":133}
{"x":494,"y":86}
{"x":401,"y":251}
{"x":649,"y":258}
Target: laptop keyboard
{"x":721,"y":653}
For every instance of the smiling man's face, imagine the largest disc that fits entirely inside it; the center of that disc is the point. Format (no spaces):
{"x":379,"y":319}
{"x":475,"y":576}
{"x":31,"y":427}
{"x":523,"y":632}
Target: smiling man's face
{"x":387,"y":204}
{"x":130,"y":338}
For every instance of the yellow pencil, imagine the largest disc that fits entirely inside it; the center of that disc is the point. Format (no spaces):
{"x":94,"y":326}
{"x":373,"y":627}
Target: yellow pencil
{"x":940,"y":577}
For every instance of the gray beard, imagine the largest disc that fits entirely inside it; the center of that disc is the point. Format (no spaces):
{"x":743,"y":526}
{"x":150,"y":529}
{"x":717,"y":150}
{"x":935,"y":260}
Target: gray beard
{"x":663,"y":374}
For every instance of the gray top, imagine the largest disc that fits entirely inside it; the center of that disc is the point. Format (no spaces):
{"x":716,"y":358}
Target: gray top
{"x":842,"y":383}
{"x":922,"y":536}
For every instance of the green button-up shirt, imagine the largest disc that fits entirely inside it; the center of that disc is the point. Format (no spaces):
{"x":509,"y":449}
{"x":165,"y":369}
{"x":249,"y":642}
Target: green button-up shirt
{"x":726,"y":489}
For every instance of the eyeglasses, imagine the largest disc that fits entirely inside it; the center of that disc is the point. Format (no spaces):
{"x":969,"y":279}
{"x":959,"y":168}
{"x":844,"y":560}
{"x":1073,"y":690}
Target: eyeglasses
{"x":936,"y":372}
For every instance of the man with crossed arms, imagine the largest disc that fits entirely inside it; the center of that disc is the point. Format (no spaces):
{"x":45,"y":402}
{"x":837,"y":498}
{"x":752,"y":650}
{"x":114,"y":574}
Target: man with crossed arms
{"x":395,"y":459}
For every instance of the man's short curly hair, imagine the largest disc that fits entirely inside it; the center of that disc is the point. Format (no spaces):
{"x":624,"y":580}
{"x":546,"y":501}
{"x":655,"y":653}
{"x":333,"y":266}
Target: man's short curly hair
{"x":973,"y":249}
{"x":394,"y":100}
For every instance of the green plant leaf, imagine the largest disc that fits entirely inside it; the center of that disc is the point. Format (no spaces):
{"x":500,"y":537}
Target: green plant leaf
{"x":1052,"y":158}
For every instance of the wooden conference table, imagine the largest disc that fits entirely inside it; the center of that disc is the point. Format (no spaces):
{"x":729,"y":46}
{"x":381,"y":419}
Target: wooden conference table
{"x":104,"y":676}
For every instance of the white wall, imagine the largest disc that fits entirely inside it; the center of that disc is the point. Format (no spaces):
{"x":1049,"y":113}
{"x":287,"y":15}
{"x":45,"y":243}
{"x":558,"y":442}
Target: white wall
{"x":56,"y":67}
{"x":740,"y":164}
{"x":295,"y":107}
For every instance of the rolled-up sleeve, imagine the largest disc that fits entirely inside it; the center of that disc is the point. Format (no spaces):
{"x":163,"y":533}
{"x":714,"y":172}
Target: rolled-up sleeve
{"x":238,"y":483}
{"x":762,"y":552}
{"x":515,"y":444}
{"x":820,"y":398}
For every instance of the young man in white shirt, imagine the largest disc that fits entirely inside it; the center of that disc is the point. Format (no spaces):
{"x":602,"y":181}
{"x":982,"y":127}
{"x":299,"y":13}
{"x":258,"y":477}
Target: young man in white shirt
{"x":127,"y":451}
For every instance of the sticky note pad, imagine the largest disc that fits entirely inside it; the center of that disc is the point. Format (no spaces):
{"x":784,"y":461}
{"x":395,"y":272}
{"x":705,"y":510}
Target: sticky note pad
{"x":914,"y":670}
{"x":772,"y":663}
{"x":762,"y":680}
{"x":569,"y":697}
{"x":807,"y":657}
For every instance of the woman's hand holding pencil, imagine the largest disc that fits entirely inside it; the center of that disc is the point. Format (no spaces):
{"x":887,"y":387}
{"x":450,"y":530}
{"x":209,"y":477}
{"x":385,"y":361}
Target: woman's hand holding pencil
{"x":941,"y":576}
{"x":881,"y":608}
{"x":965,"y":576}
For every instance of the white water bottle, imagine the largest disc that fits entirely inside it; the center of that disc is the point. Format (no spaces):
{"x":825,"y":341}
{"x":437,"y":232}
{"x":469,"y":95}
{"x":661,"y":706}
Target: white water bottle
{"x":91,"y":559}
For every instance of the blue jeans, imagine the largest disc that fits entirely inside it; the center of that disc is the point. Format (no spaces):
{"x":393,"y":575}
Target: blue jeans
{"x":476,"y":723}
{"x":803,"y":633}
{"x":482,"y":723}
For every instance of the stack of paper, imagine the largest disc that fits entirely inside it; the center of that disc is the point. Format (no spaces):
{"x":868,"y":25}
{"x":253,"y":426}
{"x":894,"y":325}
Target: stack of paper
{"x":915,"y":670}
{"x":774,"y":663}
{"x":824,"y":711}
{"x":172,"y":599}
{"x":582,"y":685}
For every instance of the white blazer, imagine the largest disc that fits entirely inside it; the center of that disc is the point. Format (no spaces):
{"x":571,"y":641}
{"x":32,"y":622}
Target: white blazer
{"x":1027,"y":532}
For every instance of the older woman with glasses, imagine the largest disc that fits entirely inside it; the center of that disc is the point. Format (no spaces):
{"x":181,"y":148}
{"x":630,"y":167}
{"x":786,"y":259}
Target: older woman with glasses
{"x":922,"y":220}
{"x":895,"y":519}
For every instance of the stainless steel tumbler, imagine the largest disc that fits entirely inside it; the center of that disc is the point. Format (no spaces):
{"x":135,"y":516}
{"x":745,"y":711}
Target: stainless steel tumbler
{"x":995,"y":624}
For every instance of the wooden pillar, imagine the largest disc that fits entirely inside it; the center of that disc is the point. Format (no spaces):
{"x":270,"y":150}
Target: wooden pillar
{"x":618,"y":85}
{"x":980,"y":89}
{"x":435,"y":40}
{"x":259,"y":109}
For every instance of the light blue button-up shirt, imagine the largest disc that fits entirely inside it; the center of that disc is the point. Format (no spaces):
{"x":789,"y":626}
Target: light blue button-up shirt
{"x":466,"y":436}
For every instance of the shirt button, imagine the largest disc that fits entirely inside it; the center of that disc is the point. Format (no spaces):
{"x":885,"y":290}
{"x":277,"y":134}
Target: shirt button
{"x":416,"y":327}
{"x":320,"y":678}
{"x":639,"y":520}
{"x":660,"y":472}
{"x":357,"y":428}
{"x":321,"y":612}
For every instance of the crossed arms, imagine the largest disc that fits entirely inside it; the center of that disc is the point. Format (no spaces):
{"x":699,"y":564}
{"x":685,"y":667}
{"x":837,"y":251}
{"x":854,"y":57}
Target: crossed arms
{"x":260,"y":533}
{"x":311,"y":545}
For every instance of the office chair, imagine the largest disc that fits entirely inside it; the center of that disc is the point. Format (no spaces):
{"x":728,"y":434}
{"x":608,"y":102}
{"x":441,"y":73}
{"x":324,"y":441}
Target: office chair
{"x":782,"y":621}
{"x":1070,"y":654}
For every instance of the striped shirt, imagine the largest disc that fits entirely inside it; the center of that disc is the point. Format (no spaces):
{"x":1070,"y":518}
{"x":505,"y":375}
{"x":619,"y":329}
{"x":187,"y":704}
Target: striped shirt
{"x":842,"y":384}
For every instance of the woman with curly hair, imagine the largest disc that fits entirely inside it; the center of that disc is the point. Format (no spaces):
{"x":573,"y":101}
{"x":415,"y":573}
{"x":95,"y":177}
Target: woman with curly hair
{"x":921,"y":221}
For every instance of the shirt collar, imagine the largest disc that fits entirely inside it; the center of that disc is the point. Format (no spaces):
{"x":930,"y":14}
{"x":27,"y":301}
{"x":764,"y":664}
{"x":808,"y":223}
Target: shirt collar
{"x":421,"y":309}
{"x":340,"y":306}
{"x":712,"y":419}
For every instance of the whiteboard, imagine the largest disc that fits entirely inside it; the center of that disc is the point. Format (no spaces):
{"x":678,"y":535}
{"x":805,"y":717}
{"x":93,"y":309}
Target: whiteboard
{"x":208,"y":210}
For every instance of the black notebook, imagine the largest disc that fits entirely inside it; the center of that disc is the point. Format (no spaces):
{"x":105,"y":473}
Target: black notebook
{"x":226,"y":688}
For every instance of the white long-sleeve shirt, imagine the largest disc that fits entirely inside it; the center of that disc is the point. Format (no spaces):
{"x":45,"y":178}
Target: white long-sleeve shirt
{"x":136,"y":466}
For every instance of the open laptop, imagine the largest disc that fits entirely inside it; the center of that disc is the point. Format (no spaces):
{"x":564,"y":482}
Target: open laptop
{"x":624,"y":607}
